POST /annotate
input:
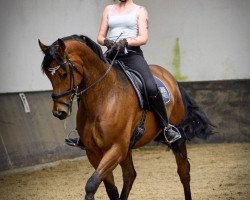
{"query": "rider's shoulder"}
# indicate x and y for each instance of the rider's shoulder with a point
(109, 7)
(142, 10)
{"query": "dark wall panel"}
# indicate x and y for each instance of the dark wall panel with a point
(227, 104)
(32, 138)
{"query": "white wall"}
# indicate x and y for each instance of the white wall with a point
(214, 36)
(22, 22)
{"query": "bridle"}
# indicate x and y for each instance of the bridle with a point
(73, 89)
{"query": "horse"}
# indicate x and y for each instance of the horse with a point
(108, 112)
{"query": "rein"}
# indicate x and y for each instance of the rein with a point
(100, 79)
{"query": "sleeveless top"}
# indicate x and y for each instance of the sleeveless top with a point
(123, 25)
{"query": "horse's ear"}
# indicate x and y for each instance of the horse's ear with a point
(61, 45)
(43, 47)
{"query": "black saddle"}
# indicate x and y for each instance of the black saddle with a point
(138, 83)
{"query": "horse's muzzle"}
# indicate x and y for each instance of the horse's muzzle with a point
(60, 114)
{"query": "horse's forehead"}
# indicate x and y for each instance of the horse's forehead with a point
(50, 56)
(54, 54)
(49, 60)
(53, 49)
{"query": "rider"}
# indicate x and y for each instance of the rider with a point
(124, 27)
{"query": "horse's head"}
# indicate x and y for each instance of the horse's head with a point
(64, 72)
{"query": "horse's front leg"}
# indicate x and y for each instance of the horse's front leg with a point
(108, 162)
(129, 175)
(95, 180)
(92, 186)
(184, 170)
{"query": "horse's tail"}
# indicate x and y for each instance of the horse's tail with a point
(195, 123)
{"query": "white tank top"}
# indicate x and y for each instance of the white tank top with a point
(127, 24)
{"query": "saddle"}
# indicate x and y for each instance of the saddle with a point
(139, 86)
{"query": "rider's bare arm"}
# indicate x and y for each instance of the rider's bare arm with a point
(142, 37)
(103, 30)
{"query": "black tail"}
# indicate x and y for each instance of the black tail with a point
(195, 123)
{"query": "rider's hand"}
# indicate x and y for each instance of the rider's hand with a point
(109, 43)
(121, 44)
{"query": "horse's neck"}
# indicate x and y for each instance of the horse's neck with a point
(106, 94)
(93, 70)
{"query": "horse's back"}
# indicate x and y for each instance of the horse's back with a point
(165, 76)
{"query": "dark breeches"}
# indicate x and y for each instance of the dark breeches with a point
(135, 61)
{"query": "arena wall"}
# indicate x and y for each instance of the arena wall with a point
(213, 37)
(205, 43)
(29, 138)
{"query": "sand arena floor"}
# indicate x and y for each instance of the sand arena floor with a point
(218, 171)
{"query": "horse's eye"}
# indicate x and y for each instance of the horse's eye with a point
(64, 75)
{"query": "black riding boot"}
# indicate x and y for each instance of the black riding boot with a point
(158, 105)
(73, 139)
(74, 142)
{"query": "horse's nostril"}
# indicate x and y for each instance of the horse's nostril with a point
(60, 114)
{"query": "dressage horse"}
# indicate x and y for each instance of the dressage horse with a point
(108, 112)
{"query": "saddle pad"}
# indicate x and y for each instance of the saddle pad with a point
(137, 83)
(163, 89)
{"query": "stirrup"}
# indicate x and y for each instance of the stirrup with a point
(74, 142)
(71, 141)
(165, 130)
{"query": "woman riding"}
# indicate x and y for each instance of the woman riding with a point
(124, 27)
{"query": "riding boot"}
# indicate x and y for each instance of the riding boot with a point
(74, 142)
(158, 106)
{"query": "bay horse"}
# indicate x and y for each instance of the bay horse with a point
(108, 112)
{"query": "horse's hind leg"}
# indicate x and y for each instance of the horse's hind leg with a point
(111, 189)
(129, 175)
(183, 170)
